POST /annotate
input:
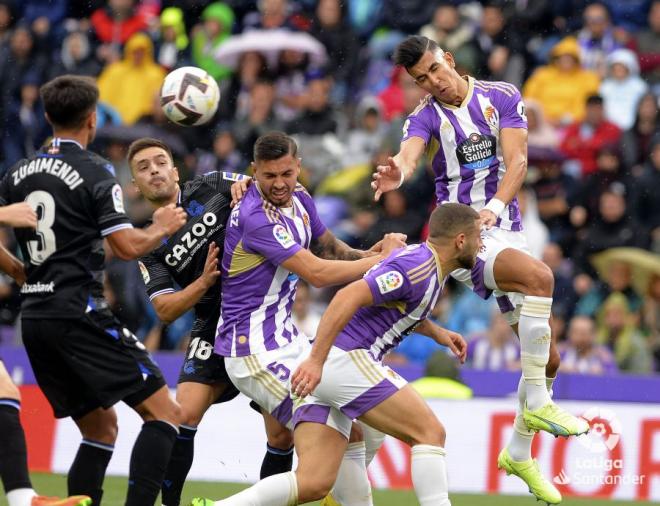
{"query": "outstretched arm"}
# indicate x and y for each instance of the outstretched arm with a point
(453, 340)
(340, 311)
(399, 167)
(329, 247)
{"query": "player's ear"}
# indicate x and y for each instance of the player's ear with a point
(137, 188)
(449, 58)
(176, 173)
(91, 119)
(298, 166)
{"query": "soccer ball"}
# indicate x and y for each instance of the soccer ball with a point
(189, 96)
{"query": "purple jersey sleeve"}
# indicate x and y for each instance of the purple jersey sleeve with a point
(315, 223)
(419, 123)
(511, 108)
(270, 239)
(388, 282)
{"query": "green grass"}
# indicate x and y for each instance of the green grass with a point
(115, 489)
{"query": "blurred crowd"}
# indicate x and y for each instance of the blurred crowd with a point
(321, 70)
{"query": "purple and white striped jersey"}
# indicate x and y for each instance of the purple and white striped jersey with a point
(257, 293)
(405, 288)
(463, 144)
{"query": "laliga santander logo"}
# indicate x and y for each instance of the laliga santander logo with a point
(605, 432)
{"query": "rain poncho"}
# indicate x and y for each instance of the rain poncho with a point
(129, 86)
(204, 48)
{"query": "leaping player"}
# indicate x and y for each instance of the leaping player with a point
(475, 135)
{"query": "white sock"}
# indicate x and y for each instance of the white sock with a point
(352, 487)
(20, 497)
(429, 475)
(277, 490)
(534, 332)
(548, 384)
(520, 444)
(373, 440)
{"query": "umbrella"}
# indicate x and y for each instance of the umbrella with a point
(270, 43)
(644, 265)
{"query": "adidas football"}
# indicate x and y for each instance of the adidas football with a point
(189, 96)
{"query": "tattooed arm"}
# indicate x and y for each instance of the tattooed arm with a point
(327, 246)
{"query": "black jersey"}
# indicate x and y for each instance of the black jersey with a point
(180, 260)
(78, 202)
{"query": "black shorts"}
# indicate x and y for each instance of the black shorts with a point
(91, 362)
(202, 365)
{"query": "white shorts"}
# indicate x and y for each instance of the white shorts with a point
(481, 279)
(352, 384)
(266, 377)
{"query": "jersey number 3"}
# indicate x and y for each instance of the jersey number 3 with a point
(44, 245)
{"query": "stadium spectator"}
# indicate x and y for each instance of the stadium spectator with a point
(216, 27)
(646, 200)
(597, 39)
(173, 45)
(291, 84)
(636, 142)
(251, 68)
(540, 133)
(646, 44)
(25, 126)
(563, 294)
(76, 57)
(407, 16)
(44, 16)
(364, 141)
(501, 48)
(318, 116)
(17, 59)
(622, 88)
(258, 119)
(617, 330)
(583, 139)
(618, 279)
(455, 34)
(6, 21)
(331, 27)
(393, 96)
(651, 317)
(562, 86)
(614, 226)
(275, 14)
(497, 349)
(555, 192)
(113, 25)
(581, 354)
(130, 84)
(224, 157)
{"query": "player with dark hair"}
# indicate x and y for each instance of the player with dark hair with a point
(344, 377)
(13, 451)
(85, 360)
(189, 260)
(475, 134)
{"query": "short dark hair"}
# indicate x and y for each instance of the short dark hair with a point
(450, 219)
(273, 146)
(144, 143)
(594, 100)
(411, 50)
(68, 100)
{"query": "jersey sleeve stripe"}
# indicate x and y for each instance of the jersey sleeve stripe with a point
(110, 230)
(161, 292)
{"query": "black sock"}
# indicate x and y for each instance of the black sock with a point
(88, 470)
(151, 453)
(276, 461)
(13, 450)
(179, 466)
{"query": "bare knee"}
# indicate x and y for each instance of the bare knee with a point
(541, 281)
(315, 487)
(280, 438)
(357, 434)
(167, 410)
(190, 416)
(100, 426)
(430, 432)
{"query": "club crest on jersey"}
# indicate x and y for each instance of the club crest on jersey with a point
(389, 281)
(232, 176)
(491, 116)
(306, 219)
(118, 198)
(195, 208)
(282, 236)
(145, 273)
(477, 151)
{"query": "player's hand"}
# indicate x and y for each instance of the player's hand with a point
(211, 273)
(386, 178)
(455, 342)
(307, 377)
(170, 218)
(19, 275)
(390, 242)
(238, 189)
(487, 219)
(19, 215)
